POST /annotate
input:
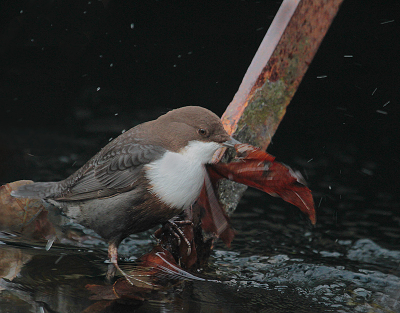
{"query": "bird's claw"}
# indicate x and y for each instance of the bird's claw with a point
(178, 233)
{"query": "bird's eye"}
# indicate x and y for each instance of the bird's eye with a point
(202, 132)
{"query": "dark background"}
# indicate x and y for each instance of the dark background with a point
(74, 74)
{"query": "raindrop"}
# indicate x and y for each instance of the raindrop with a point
(98, 88)
(132, 25)
(367, 171)
(59, 259)
(111, 64)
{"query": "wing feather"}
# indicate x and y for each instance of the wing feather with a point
(113, 170)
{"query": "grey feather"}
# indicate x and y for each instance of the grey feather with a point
(37, 190)
(113, 170)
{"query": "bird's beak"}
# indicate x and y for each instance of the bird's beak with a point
(220, 152)
(231, 143)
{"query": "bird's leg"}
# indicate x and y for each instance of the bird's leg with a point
(113, 257)
(113, 266)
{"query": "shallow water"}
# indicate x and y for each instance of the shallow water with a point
(271, 267)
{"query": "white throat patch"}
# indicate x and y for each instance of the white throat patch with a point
(177, 178)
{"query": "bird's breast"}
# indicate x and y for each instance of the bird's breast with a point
(177, 178)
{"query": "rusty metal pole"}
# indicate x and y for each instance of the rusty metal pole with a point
(274, 76)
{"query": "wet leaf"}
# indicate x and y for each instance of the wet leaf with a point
(215, 220)
(258, 169)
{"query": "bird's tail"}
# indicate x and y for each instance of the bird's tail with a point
(37, 190)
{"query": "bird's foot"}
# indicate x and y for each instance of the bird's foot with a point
(111, 270)
(178, 233)
(113, 267)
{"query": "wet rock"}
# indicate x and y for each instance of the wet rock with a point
(367, 251)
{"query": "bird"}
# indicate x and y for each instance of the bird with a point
(143, 178)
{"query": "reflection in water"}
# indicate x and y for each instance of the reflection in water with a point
(11, 262)
(33, 277)
(55, 281)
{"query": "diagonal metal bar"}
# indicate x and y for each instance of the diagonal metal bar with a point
(273, 77)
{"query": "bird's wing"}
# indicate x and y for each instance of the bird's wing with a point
(113, 170)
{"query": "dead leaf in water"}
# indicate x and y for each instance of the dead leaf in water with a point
(258, 169)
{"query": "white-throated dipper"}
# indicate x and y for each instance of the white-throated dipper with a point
(143, 178)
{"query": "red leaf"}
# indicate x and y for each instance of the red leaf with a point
(215, 219)
(160, 264)
(258, 169)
